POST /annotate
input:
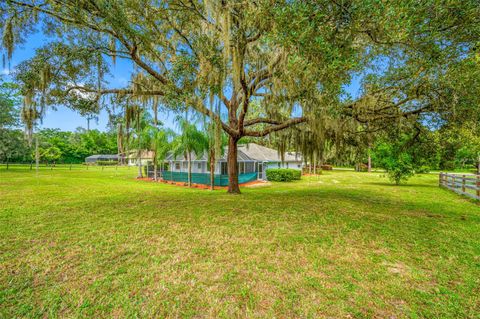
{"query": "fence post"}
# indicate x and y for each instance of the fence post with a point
(478, 186)
(440, 179)
(463, 183)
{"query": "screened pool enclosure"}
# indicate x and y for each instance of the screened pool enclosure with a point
(202, 178)
(102, 158)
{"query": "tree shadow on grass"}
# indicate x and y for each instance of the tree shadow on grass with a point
(403, 185)
(370, 198)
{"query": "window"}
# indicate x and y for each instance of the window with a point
(224, 168)
(199, 166)
(249, 167)
(177, 166)
(185, 164)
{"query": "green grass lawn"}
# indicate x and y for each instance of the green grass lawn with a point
(99, 244)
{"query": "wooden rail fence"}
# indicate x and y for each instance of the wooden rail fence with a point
(465, 184)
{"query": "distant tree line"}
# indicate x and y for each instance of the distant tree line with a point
(56, 146)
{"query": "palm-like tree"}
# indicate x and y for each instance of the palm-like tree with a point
(191, 140)
(160, 146)
(141, 139)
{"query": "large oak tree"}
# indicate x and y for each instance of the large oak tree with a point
(191, 54)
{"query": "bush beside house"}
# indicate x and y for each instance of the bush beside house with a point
(283, 174)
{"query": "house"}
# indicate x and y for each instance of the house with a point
(253, 161)
(146, 157)
(91, 160)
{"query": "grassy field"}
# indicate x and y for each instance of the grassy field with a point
(99, 244)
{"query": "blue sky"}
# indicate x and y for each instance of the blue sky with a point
(67, 120)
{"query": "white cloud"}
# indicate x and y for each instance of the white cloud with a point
(5, 72)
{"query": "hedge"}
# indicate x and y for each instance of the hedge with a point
(283, 174)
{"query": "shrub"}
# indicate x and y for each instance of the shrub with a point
(422, 169)
(297, 174)
(362, 167)
(106, 163)
(448, 165)
(283, 174)
(400, 168)
(397, 161)
(327, 167)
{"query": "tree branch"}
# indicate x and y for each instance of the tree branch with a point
(261, 120)
(113, 91)
(274, 128)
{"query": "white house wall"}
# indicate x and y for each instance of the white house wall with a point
(134, 162)
(197, 167)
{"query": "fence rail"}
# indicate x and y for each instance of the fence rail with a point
(465, 184)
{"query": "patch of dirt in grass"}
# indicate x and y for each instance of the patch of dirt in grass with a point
(257, 184)
(397, 268)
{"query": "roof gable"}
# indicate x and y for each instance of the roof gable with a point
(266, 154)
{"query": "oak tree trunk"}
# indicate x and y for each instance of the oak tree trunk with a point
(369, 163)
(233, 187)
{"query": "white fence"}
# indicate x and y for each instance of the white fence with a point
(465, 184)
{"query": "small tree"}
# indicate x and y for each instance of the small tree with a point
(189, 141)
(51, 155)
(160, 146)
(396, 161)
(399, 168)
